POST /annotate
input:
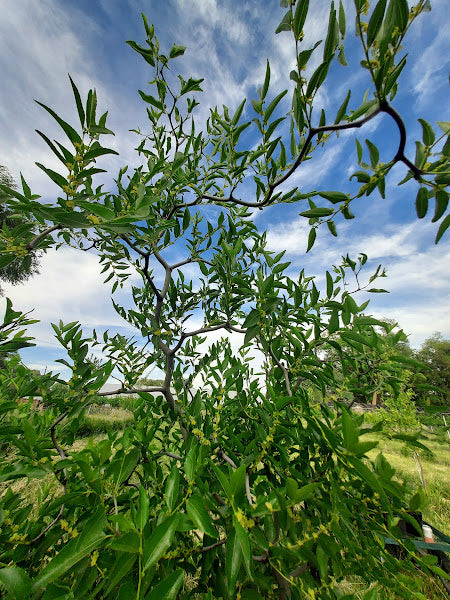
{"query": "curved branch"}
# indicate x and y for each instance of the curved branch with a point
(400, 156)
(35, 241)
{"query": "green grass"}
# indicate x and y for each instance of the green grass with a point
(436, 468)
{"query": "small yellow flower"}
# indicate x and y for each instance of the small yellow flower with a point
(94, 558)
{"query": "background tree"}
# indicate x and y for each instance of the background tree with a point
(435, 353)
(12, 223)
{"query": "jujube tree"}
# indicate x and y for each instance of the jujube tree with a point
(238, 487)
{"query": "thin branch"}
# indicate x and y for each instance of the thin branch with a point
(35, 241)
(247, 490)
(216, 545)
(227, 459)
(171, 454)
(283, 369)
(132, 391)
(197, 332)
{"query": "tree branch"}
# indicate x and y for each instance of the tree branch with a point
(35, 241)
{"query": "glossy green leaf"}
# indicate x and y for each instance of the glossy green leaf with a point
(143, 510)
(375, 21)
(124, 466)
(301, 11)
(269, 110)
(265, 87)
(201, 518)
(317, 212)
(334, 197)
(443, 228)
(342, 24)
(422, 202)
(441, 205)
(17, 582)
(307, 491)
(428, 136)
(168, 588)
(68, 129)
(172, 487)
(285, 24)
(233, 558)
(151, 100)
(121, 567)
(244, 543)
(79, 104)
(159, 541)
(343, 108)
(89, 539)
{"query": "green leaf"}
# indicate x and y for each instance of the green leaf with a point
(54, 176)
(443, 228)
(307, 491)
(121, 567)
(422, 202)
(367, 475)
(332, 228)
(301, 11)
(317, 212)
(191, 85)
(257, 105)
(125, 465)
(334, 197)
(223, 481)
(176, 51)
(265, 87)
(143, 510)
(233, 558)
(200, 516)
(341, 18)
(322, 560)
(79, 547)
(349, 431)
(17, 582)
(172, 487)
(168, 588)
(269, 110)
(333, 324)
(441, 205)
(146, 53)
(317, 78)
(332, 38)
(374, 154)
(160, 541)
(244, 543)
(427, 132)
(68, 129)
(343, 108)
(375, 21)
(151, 100)
(128, 542)
(79, 104)
(330, 284)
(311, 239)
(285, 24)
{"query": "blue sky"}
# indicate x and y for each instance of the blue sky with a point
(228, 43)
